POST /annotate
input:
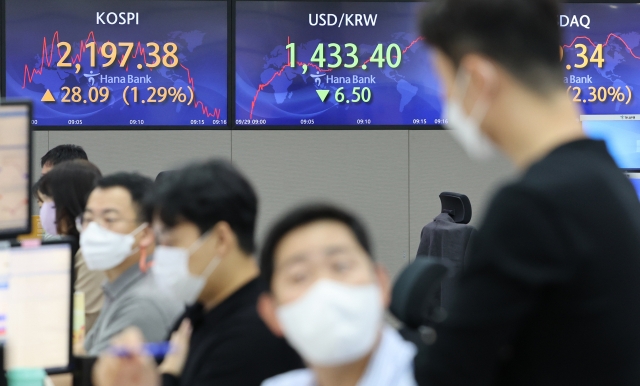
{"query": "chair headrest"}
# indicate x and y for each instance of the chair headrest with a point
(457, 205)
(162, 175)
(414, 299)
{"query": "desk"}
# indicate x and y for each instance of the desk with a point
(62, 379)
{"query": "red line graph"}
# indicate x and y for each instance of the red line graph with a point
(612, 35)
(281, 71)
(48, 54)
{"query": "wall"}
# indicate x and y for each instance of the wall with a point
(390, 178)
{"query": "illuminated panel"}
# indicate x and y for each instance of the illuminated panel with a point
(601, 56)
(37, 296)
(108, 63)
(14, 169)
(333, 63)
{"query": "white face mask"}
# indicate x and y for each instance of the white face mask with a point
(171, 271)
(333, 323)
(103, 249)
(466, 128)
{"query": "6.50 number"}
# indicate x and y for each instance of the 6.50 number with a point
(361, 95)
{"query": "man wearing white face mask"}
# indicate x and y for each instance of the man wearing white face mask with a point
(327, 298)
(204, 220)
(116, 238)
(550, 294)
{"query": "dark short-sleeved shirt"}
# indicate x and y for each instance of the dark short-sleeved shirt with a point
(551, 294)
(231, 346)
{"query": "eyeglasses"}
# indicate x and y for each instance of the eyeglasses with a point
(339, 260)
(107, 222)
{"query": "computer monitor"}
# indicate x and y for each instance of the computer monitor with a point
(36, 305)
(634, 177)
(331, 64)
(15, 168)
(164, 66)
(604, 85)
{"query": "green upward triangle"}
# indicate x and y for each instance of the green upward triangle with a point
(323, 94)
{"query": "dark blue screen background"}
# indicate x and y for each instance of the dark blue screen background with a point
(617, 27)
(406, 95)
(198, 28)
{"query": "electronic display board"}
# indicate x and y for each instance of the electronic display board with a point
(118, 64)
(333, 64)
(634, 177)
(601, 55)
(15, 166)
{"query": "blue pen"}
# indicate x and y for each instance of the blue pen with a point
(156, 350)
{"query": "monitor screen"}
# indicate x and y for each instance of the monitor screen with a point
(15, 135)
(634, 177)
(333, 64)
(601, 56)
(35, 306)
(118, 64)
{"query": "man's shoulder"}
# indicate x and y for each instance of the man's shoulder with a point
(247, 326)
(145, 296)
(300, 377)
(572, 167)
(551, 183)
(245, 338)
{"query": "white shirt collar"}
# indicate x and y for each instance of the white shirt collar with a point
(390, 365)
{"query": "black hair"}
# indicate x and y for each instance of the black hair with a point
(138, 187)
(63, 153)
(302, 216)
(523, 36)
(35, 191)
(162, 175)
(206, 193)
(69, 185)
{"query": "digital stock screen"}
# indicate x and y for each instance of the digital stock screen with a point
(634, 177)
(15, 146)
(601, 55)
(106, 63)
(333, 63)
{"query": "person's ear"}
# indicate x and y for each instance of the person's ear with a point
(147, 237)
(146, 242)
(385, 284)
(63, 227)
(267, 311)
(225, 239)
(483, 78)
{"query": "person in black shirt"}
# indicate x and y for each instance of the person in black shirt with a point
(204, 220)
(551, 294)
